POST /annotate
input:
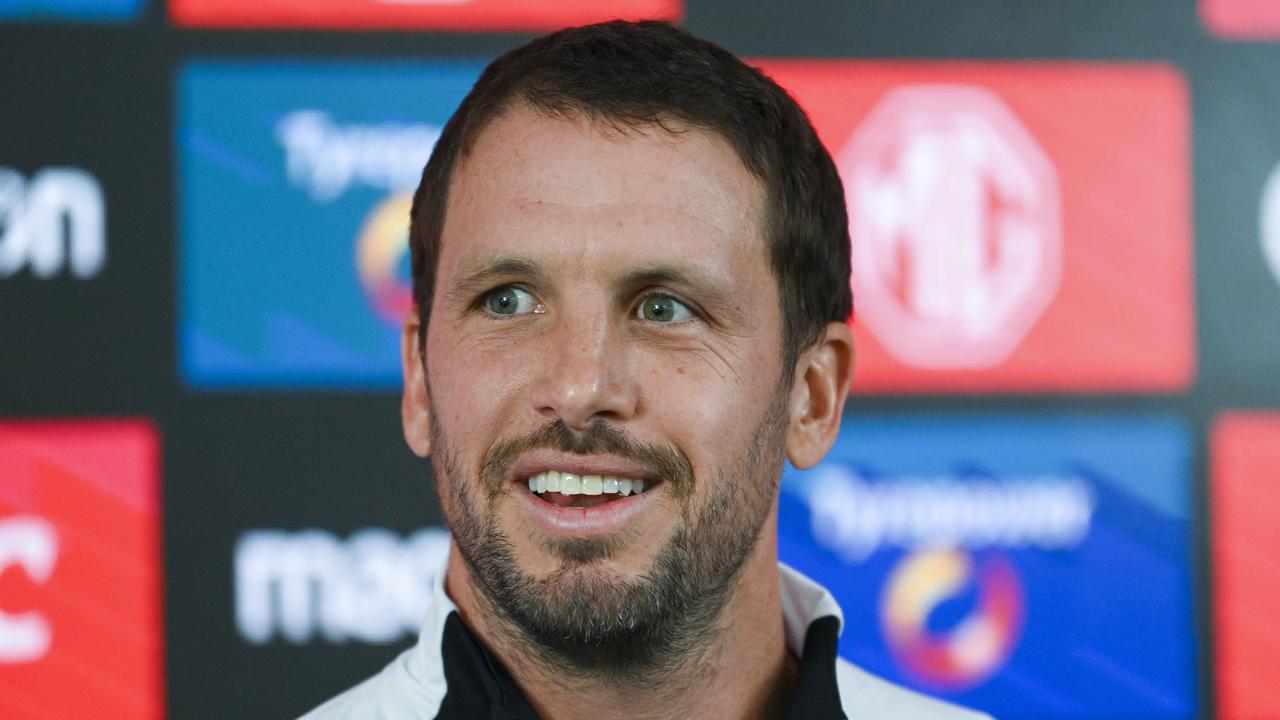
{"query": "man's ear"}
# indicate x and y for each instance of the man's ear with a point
(415, 409)
(820, 386)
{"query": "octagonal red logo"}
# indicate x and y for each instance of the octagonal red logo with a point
(955, 221)
(1015, 226)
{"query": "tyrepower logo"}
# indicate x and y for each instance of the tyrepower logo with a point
(319, 161)
(958, 547)
(416, 14)
(1241, 19)
(325, 158)
(998, 248)
(55, 222)
(80, 617)
(1244, 487)
(954, 531)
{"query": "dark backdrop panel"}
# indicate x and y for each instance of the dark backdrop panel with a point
(1237, 149)
(101, 98)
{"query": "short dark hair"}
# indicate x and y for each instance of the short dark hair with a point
(643, 74)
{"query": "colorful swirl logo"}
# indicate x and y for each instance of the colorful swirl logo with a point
(968, 651)
(382, 252)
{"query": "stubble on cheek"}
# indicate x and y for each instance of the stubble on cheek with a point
(583, 615)
(474, 517)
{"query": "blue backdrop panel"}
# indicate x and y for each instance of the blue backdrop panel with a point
(70, 9)
(294, 187)
(1036, 568)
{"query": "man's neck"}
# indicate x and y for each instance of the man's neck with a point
(742, 671)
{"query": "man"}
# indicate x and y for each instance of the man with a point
(631, 262)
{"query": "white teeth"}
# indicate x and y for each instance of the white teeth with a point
(570, 484)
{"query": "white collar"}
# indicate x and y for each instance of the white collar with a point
(803, 601)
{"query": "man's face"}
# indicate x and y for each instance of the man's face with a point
(604, 310)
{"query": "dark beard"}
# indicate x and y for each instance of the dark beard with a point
(581, 618)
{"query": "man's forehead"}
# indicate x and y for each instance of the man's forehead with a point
(535, 182)
(526, 155)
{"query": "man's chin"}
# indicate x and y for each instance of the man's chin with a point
(590, 616)
(585, 573)
(568, 553)
(606, 608)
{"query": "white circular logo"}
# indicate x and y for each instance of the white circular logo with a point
(955, 223)
(1270, 222)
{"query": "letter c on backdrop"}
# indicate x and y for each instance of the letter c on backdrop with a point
(30, 543)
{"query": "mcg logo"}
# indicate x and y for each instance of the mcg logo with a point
(955, 223)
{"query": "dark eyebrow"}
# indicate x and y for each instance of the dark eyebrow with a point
(481, 273)
(669, 275)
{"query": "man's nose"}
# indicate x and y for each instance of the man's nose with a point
(585, 374)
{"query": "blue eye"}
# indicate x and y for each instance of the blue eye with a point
(663, 309)
(509, 300)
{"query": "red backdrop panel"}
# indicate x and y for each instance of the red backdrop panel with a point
(1245, 527)
(416, 14)
(81, 632)
(1242, 19)
(1016, 227)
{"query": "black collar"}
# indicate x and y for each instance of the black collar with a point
(479, 687)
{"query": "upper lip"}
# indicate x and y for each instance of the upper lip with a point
(538, 461)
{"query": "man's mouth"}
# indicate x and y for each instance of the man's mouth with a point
(583, 491)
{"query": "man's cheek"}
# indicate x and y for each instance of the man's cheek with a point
(698, 418)
(496, 369)
(715, 359)
(472, 389)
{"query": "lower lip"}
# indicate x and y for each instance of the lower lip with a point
(603, 519)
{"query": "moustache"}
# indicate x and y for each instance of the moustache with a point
(664, 461)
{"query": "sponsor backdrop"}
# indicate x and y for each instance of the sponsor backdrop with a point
(70, 9)
(1245, 489)
(1055, 492)
(80, 547)
(413, 14)
(302, 172)
(1036, 564)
